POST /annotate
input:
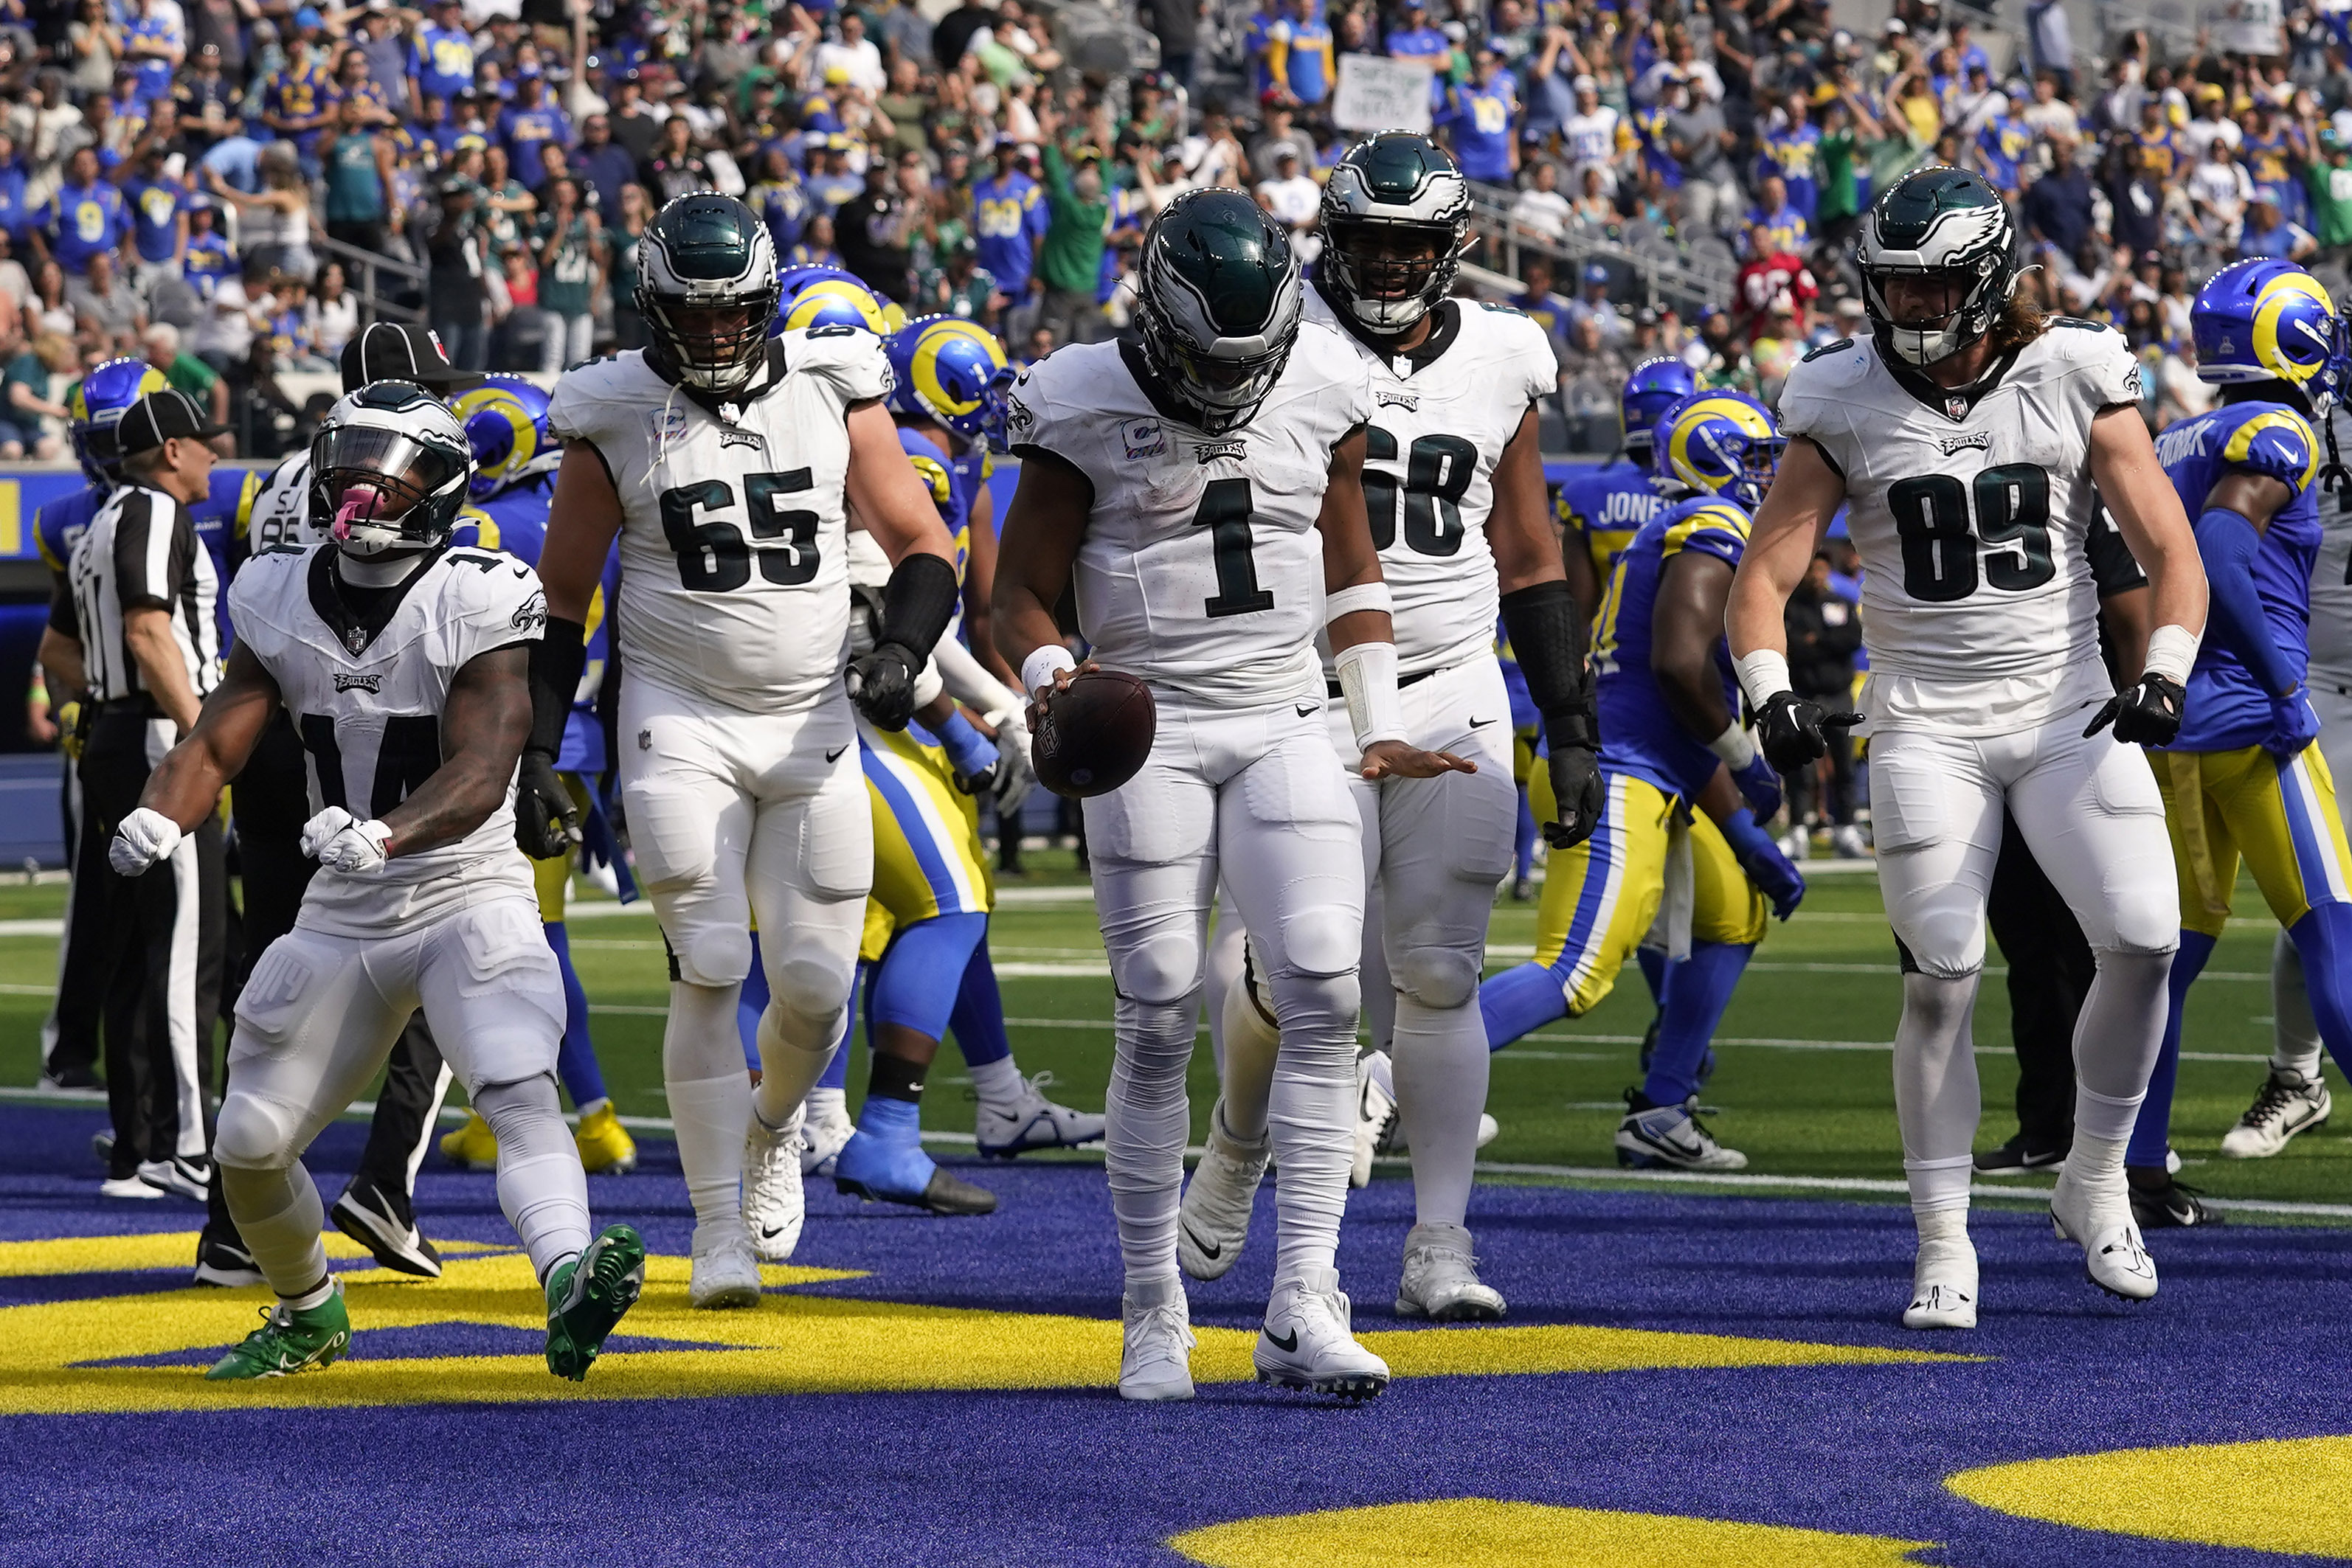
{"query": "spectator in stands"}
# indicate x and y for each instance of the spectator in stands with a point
(605, 164)
(1483, 122)
(84, 218)
(276, 223)
(1542, 210)
(1299, 60)
(2057, 209)
(161, 343)
(1537, 300)
(1592, 356)
(2269, 232)
(958, 285)
(359, 164)
(1700, 143)
(1294, 199)
(1782, 223)
(1789, 152)
(1595, 305)
(1412, 38)
(109, 314)
(1069, 262)
(875, 233)
(569, 246)
(330, 316)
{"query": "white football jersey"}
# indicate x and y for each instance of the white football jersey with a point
(281, 514)
(367, 700)
(1442, 416)
(1979, 606)
(1202, 568)
(2331, 583)
(733, 536)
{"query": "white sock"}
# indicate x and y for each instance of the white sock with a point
(794, 1050)
(1438, 1067)
(2295, 1034)
(278, 1214)
(2096, 1161)
(828, 1105)
(997, 1082)
(1939, 1186)
(314, 1298)
(1942, 1227)
(541, 1186)
(711, 1117)
(2105, 1118)
(1147, 1119)
(1246, 1075)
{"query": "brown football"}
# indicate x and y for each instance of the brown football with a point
(1091, 739)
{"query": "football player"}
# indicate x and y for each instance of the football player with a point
(1599, 508)
(1452, 485)
(405, 664)
(725, 460)
(515, 460)
(1973, 440)
(1199, 491)
(1684, 789)
(2245, 776)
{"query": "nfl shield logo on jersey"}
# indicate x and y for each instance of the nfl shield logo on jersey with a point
(1955, 408)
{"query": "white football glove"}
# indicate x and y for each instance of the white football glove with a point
(1015, 774)
(146, 837)
(340, 841)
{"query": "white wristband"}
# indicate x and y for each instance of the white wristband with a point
(2172, 654)
(1735, 746)
(1361, 596)
(1038, 670)
(1367, 679)
(1762, 676)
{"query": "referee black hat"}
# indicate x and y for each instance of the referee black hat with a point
(162, 416)
(390, 351)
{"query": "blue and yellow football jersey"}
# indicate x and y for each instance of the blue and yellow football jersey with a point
(950, 491)
(1638, 733)
(1606, 506)
(516, 522)
(2227, 707)
(57, 527)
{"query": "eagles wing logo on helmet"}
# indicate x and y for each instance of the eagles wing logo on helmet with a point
(1944, 230)
(1396, 214)
(707, 288)
(389, 470)
(1218, 304)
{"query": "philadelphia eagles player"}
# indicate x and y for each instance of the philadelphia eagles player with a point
(1967, 434)
(1453, 488)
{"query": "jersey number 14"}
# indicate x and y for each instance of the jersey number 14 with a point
(1939, 546)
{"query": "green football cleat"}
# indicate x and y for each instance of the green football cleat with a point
(587, 1295)
(288, 1342)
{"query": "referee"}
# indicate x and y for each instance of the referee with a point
(143, 596)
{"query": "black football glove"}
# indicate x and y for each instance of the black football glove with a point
(882, 684)
(2145, 714)
(547, 824)
(1791, 730)
(1576, 788)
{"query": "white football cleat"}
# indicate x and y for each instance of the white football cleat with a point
(1030, 1121)
(1943, 1287)
(1306, 1341)
(1376, 1113)
(773, 1204)
(726, 1270)
(1155, 1358)
(1671, 1136)
(1441, 1278)
(2289, 1104)
(2101, 1222)
(825, 1126)
(1213, 1219)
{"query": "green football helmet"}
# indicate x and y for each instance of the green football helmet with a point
(1218, 303)
(707, 287)
(1396, 215)
(1948, 229)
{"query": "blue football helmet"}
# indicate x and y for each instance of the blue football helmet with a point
(2265, 319)
(97, 403)
(1655, 386)
(505, 425)
(828, 297)
(949, 370)
(1724, 443)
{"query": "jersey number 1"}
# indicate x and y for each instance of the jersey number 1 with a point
(1225, 513)
(1939, 548)
(713, 557)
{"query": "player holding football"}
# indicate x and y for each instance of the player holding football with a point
(727, 462)
(1452, 485)
(2245, 775)
(1968, 434)
(404, 665)
(1200, 494)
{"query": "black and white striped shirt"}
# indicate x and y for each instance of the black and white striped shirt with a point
(141, 550)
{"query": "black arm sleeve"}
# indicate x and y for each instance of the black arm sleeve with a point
(557, 661)
(63, 620)
(919, 602)
(1547, 634)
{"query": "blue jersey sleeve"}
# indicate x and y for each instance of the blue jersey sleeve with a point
(2276, 444)
(1714, 528)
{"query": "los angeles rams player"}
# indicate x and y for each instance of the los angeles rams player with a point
(1599, 509)
(1200, 492)
(725, 462)
(1453, 488)
(515, 461)
(1968, 435)
(404, 663)
(1684, 787)
(2245, 775)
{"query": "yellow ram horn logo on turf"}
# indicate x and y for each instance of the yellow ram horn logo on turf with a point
(2288, 340)
(499, 400)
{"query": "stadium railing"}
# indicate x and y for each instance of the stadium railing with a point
(388, 288)
(1642, 273)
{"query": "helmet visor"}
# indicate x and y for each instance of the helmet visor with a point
(1224, 382)
(367, 474)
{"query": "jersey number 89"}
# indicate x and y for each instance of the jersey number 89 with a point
(713, 557)
(1939, 548)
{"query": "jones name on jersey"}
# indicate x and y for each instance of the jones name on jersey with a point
(1971, 514)
(1202, 568)
(1442, 416)
(366, 694)
(733, 581)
